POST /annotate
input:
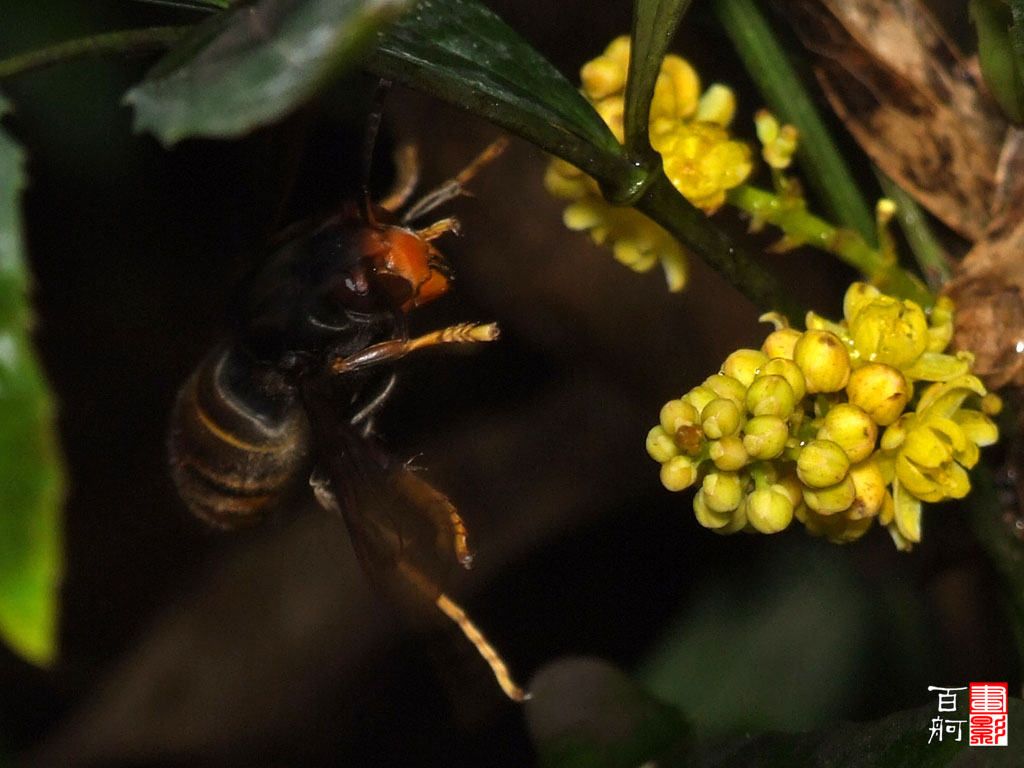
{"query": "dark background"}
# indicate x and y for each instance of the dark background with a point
(185, 646)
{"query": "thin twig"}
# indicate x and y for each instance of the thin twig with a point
(124, 41)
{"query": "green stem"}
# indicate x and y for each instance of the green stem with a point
(773, 74)
(123, 41)
(930, 255)
(803, 227)
(662, 203)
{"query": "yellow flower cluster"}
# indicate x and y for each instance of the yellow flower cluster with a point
(688, 130)
(824, 425)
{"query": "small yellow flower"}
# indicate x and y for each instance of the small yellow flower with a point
(793, 428)
(698, 155)
(823, 358)
(769, 509)
(932, 448)
(778, 142)
(890, 331)
(700, 160)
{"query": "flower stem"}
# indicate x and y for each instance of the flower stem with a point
(930, 255)
(765, 58)
(122, 41)
(802, 227)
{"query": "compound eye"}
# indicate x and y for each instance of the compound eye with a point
(397, 287)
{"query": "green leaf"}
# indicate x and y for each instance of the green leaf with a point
(254, 64)
(765, 59)
(1017, 30)
(585, 713)
(799, 622)
(654, 24)
(460, 52)
(1001, 65)
(31, 474)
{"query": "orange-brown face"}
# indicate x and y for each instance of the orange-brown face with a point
(408, 267)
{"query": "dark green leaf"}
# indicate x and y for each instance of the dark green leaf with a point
(254, 64)
(31, 474)
(1001, 64)
(458, 51)
(1017, 30)
(691, 226)
(654, 24)
(585, 713)
(765, 59)
(800, 622)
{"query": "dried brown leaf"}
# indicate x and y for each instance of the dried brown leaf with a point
(910, 100)
(989, 285)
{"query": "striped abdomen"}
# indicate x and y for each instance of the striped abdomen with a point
(234, 450)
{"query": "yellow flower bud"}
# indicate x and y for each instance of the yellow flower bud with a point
(879, 390)
(781, 343)
(793, 488)
(720, 417)
(678, 473)
(870, 489)
(677, 413)
(991, 405)
(769, 510)
(676, 91)
(791, 372)
(564, 180)
(708, 517)
(778, 142)
(660, 446)
(764, 437)
(728, 453)
(839, 529)
(584, 214)
(603, 77)
(852, 429)
(699, 397)
(824, 361)
(722, 491)
(821, 464)
(743, 365)
(726, 386)
(717, 105)
(831, 499)
(770, 396)
(766, 125)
